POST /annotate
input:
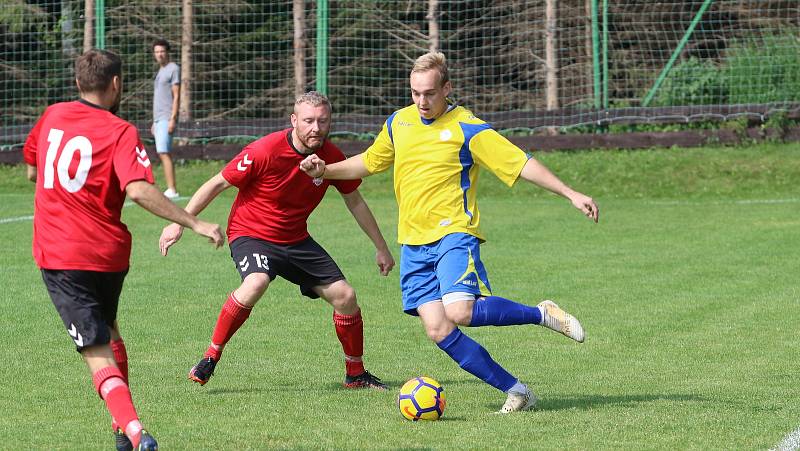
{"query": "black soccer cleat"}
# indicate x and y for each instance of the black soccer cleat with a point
(147, 443)
(121, 441)
(202, 372)
(364, 380)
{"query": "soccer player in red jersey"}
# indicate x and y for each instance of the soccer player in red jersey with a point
(84, 161)
(268, 234)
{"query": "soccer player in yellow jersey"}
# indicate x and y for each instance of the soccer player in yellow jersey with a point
(437, 148)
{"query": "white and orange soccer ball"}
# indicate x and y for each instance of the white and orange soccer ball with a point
(421, 398)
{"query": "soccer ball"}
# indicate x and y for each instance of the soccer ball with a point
(421, 398)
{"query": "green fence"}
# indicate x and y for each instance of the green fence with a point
(519, 64)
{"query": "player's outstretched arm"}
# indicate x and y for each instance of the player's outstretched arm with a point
(366, 220)
(199, 201)
(149, 198)
(538, 174)
(349, 169)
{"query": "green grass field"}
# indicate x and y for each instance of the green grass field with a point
(688, 291)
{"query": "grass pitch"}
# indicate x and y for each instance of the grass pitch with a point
(687, 290)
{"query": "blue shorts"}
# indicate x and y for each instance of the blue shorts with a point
(451, 265)
(162, 135)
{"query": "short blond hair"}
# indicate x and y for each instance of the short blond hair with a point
(313, 98)
(432, 61)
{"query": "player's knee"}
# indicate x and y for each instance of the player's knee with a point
(458, 307)
(113, 330)
(459, 313)
(460, 317)
(345, 299)
(253, 287)
(258, 282)
(439, 332)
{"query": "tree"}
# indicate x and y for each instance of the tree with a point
(299, 16)
(88, 25)
(551, 23)
(433, 25)
(185, 107)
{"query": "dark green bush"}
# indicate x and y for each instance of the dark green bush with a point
(693, 82)
(763, 70)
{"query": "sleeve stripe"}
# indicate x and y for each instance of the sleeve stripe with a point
(389, 125)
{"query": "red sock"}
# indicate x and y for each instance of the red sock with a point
(121, 357)
(111, 387)
(350, 330)
(231, 318)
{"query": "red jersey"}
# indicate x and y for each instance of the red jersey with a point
(85, 157)
(275, 197)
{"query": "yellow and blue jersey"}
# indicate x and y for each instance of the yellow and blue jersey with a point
(436, 166)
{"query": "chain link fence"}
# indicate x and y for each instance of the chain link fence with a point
(522, 65)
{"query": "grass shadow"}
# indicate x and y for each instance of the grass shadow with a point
(593, 401)
(239, 390)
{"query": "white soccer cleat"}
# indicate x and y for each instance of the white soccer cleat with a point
(517, 403)
(171, 194)
(560, 321)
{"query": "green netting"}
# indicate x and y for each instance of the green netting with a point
(632, 61)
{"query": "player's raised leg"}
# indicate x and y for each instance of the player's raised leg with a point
(235, 311)
(498, 311)
(349, 327)
(462, 276)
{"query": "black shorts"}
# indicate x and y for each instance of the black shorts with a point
(86, 301)
(305, 264)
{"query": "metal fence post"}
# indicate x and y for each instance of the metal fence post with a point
(676, 53)
(100, 24)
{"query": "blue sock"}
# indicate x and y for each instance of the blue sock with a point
(475, 360)
(497, 311)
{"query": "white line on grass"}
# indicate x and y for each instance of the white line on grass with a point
(724, 202)
(790, 443)
(28, 218)
(16, 219)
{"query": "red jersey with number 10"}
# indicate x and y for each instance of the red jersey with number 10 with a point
(275, 197)
(85, 157)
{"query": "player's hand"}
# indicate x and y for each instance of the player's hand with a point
(153, 129)
(169, 236)
(587, 205)
(313, 165)
(385, 261)
(171, 126)
(210, 231)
